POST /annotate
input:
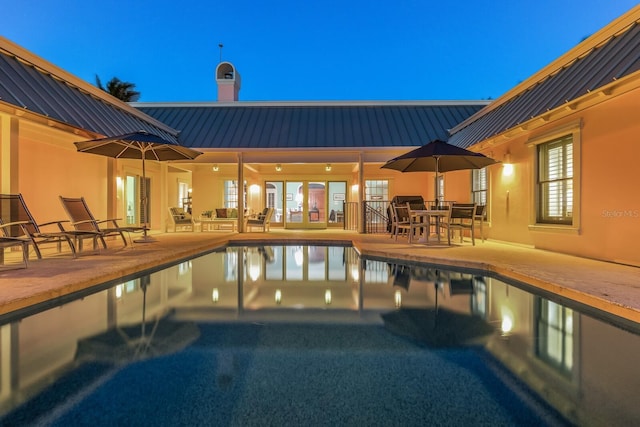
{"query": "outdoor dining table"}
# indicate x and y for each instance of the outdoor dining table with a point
(424, 216)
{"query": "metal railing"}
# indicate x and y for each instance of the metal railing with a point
(351, 216)
(375, 216)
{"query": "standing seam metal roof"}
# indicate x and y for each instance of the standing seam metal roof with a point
(31, 88)
(318, 125)
(616, 58)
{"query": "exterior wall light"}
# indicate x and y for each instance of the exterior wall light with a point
(278, 167)
(215, 168)
(507, 166)
(328, 167)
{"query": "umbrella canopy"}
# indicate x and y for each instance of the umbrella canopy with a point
(138, 145)
(438, 156)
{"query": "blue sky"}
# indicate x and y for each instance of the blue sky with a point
(305, 49)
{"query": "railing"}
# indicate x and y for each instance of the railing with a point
(376, 219)
(351, 216)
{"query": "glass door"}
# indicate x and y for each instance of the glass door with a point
(131, 200)
(274, 197)
(305, 204)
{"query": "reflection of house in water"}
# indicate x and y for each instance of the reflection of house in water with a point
(582, 366)
(586, 368)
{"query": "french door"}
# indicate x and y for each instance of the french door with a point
(305, 204)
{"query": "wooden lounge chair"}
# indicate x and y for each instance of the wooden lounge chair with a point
(19, 223)
(83, 220)
(261, 220)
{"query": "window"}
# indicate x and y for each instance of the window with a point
(376, 189)
(554, 333)
(183, 192)
(555, 181)
(479, 187)
(231, 194)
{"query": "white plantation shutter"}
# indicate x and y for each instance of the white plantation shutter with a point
(555, 181)
(479, 186)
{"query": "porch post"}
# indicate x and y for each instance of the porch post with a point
(9, 154)
(240, 193)
(361, 219)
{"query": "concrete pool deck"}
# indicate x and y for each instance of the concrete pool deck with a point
(610, 287)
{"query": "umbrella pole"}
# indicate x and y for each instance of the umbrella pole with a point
(145, 205)
(437, 196)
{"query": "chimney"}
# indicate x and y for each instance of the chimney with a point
(228, 81)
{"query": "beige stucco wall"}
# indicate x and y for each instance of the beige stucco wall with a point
(49, 167)
(607, 208)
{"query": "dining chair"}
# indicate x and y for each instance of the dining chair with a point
(461, 217)
(402, 224)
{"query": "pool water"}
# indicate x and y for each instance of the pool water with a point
(316, 335)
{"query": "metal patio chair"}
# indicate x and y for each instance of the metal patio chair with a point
(18, 223)
(83, 220)
(7, 241)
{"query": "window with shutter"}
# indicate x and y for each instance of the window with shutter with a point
(479, 187)
(555, 181)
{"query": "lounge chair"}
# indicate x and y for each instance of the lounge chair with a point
(19, 223)
(83, 220)
(8, 242)
(263, 220)
(181, 220)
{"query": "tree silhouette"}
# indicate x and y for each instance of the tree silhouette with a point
(124, 91)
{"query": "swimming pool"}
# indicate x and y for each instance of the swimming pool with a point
(316, 335)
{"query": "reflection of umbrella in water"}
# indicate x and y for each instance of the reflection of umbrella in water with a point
(139, 145)
(437, 326)
(438, 156)
(122, 344)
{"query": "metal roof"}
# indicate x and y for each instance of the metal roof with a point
(614, 59)
(33, 88)
(246, 125)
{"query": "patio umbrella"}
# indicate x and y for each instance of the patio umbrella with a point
(138, 145)
(438, 156)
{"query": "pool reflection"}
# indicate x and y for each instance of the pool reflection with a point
(583, 366)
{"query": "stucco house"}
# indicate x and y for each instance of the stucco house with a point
(565, 138)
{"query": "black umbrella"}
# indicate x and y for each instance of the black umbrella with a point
(438, 156)
(139, 145)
